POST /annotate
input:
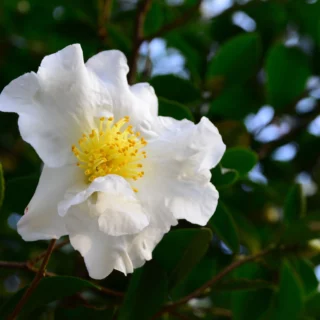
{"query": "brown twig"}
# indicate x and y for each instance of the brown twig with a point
(40, 274)
(30, 267)
(185, 17)
(105, 9)
(138, 37)
(213, 281)
(56, 247)
(13, 265)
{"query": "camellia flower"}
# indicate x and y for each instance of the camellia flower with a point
(116, 176)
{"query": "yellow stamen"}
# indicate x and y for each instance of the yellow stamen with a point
(109, 149)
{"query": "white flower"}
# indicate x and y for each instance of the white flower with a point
(116, 176)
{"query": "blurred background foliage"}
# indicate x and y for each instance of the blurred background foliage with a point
(253, 68)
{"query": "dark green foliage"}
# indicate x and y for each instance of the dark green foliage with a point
(174, 109)
(138, 304)
(2, 186)
(189, 245)
(224, 225)
(239, 159)
(287, 72)
(48, 290)
(225, 67)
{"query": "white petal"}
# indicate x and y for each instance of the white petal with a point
(147, 95)
(41, 220)
(111, 66)
(139, 101)
(103, 253)
(56, 105)
(112, 201)
(177, 170)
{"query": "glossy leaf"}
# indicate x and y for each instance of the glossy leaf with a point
(306, 271)
(174, 109)
(240, 159)
(287, 73)
(290, 296)
(223, 224)
(256, 301)
(146, 294)
(175, 88)
(312, 305)
(236, 61)
(180, 251)
(234, 103)
(222, 178)
(294, 207)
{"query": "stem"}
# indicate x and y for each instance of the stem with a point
(138, 38)
(30, 267)
(213, 281)
(56, 247)
(105, 8)
(13, 265)
(40, 274)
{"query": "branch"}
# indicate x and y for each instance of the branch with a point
(105, 9)
(56, 247)
(30, 267)
(138, 38)
(213, 281)
(40, 274)
(188, 14)
(13, 265)
(139, 34)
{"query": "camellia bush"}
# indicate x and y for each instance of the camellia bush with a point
(160, 159)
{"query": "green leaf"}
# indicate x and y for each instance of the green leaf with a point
(48, 290)
(248, 304)
(2, 186)
(290, 296)
(234, 103)
(287, 73)
(240, 159)
(306, 16)
(243, 284)
(306, 272)
(312, 305)
(154, 18)
(180, 251)
(248, 233)
(295, 206)
(146, 294)
(174, 88)
(84, 313)
(223, 224)
(302, 230)
(236, 61)
(19, 192)
(225, 179)
(174, 109)
(270, 18)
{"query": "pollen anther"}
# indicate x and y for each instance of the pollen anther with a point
(111, 149)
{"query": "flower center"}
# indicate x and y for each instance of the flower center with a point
(111, 150)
